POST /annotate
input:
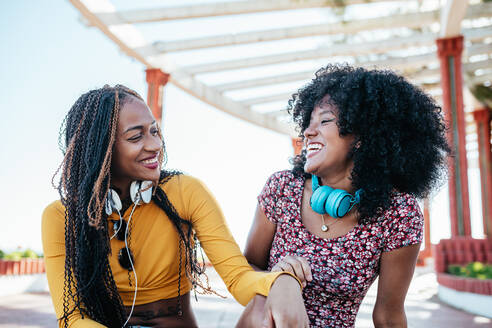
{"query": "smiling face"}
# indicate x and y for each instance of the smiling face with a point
(327, 152)
(137, 146)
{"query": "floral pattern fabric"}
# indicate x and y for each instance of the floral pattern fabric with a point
(343, 267)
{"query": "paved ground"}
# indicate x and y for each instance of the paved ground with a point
(423, 308)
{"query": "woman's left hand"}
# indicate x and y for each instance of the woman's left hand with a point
(284, 305)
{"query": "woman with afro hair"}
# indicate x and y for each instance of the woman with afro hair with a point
(121, 243)
(347, 212)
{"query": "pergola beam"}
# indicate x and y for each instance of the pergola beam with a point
(452, 14)
(126, 46)
(478, 79)
(269, 80)
(408, 20)
(305, 75)
(354, 49)
(266, 99)
(215, 9)
(431, 87)
(216, 99)
(412, 20)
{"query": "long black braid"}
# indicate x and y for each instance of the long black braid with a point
(86, 138)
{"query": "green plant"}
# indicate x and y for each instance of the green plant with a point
(472, 270)
(14, 256)
(30, 254)
(2, 254)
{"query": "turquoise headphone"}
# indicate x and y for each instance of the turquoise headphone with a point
(334, 202)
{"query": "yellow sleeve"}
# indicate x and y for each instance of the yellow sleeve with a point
(222, 250)
(53, 236)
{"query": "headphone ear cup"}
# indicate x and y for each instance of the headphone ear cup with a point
(319, 198)
(146, 194)
(141, 191)
(107, 207)
(338, 203)
(113, 202)
(134, 192)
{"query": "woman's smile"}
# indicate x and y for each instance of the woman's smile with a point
(151, 162)
(313, 148)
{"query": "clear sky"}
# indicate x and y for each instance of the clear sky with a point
(49, 58)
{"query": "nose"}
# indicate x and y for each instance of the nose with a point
(310, 131)
(153, 143)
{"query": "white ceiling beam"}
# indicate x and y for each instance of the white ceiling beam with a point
(479, 79)
(353, 49)
(435, 72)
(478, 49)
(452, 14)
(432, 87)
(336, 50)
(114, 34)
(348, 27)
(269, 80)
(470, 34)
(401, 63)
(412, 20)
(213, 97)
(266, 99)
(215, 9)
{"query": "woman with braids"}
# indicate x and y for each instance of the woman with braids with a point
(347, 212)
(121, 243)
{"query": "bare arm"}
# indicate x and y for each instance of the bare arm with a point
(273, 311)
(396, 272)
(259, 240)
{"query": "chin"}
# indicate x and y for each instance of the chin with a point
(148, 177)
(309, 168)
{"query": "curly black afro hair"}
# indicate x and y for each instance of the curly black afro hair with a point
(400, 141)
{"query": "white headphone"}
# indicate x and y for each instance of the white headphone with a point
(140, 192)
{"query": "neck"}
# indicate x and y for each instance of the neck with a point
(122, 187)
(337, 181)
(337, 178)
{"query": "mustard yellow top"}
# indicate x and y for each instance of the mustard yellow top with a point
(154, 244)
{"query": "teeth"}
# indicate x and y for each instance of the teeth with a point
(150, 161)
(314, 147)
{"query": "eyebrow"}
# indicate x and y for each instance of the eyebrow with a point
(327, 111)
(136, 127)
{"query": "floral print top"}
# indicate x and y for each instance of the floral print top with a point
(343, 267)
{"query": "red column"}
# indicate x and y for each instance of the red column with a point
(297, 145)
(482, 118)
(449, 51)
(156, 79)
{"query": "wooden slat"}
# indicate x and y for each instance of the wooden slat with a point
(452, 14)
(215, 9)
(412, 20)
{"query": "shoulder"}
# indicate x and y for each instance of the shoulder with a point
(180, 181)
(404, 209)
(54, 211)
(286, 175)
(53, 218)
(280, 180)
(186, 193)
(403, 222)
(404, 204)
